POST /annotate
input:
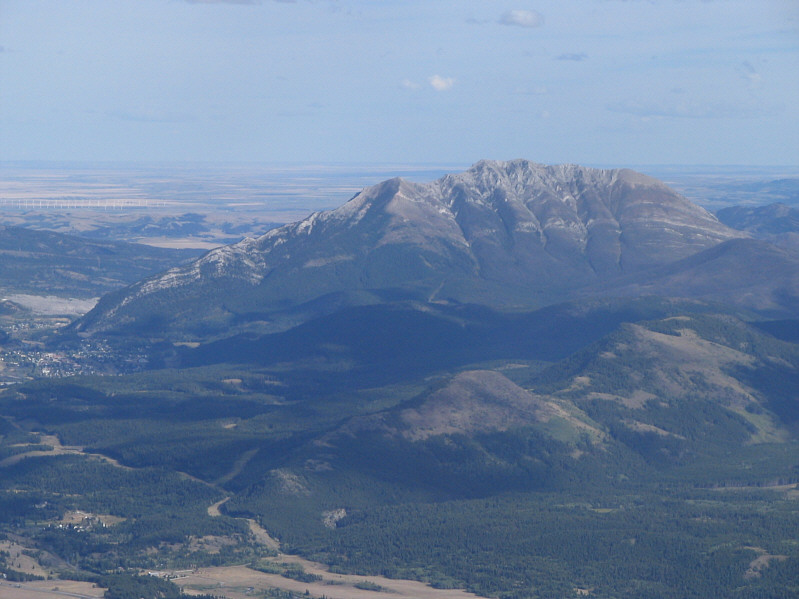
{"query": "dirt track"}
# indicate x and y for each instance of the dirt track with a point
(58, 449)
(213, 509)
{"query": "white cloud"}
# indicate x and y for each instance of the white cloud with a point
(522, 18)
(408, 84)
(441, 84)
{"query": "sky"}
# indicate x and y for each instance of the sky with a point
(594, 82)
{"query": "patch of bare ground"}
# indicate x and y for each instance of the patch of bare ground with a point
(22, 562)
(761, 562)
(642, 427)
(475, 401)
(58, 449)
(181, 243)
(213, 509)
(238, 582)
(54, 305)
(694, 355)
(331, 517)
(238, 465)
(50, 589)
(579, 382)
(290, 483)
(472, 401)
(211, 544)
(791, 490)
(79, 517)
(36, 563)
(262, 536)
(636, 399)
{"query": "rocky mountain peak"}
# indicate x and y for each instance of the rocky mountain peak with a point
(513, 233)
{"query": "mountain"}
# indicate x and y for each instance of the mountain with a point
(747, 273)
(45, 263)
(401, 340)
(660, 394)
(761, 221)
(475, 401)
(503, 234)
(776, 223)
(666, 369)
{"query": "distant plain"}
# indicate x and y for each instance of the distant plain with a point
(202, 207)
(227, 202)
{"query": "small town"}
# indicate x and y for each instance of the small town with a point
(21, 362)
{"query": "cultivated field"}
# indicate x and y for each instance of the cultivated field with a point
(239, 582)
(49, 589)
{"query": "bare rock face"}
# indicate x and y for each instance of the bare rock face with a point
(593, 223)
(504, 234)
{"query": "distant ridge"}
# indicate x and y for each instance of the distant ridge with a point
(47, 263)
(746, 272)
